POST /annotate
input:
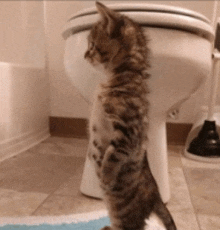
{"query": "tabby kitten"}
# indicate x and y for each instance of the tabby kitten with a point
(119, 121)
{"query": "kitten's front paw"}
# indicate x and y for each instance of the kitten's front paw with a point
(106, 228)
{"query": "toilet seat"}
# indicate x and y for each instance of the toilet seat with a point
(149, 15)
(144, 7)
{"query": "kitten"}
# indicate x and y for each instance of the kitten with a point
(119, 121)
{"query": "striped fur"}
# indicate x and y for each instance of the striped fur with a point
(119, 122)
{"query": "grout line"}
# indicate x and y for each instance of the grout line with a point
(46, 199)
(183, 167)
(51, 194)
(32, 214)
(190, 195)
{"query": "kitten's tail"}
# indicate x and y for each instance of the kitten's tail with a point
(163, 213)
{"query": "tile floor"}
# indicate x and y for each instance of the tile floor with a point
(45, 180)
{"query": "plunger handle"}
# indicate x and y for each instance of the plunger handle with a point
(214, 86)
(215, 64)
(214, 15)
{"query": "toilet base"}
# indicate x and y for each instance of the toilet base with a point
(90, 183)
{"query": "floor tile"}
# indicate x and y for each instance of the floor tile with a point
(180, 203)
(13, 203)
(180, 197)
(209, 222)
(45, 180)
(70, 188)
(186, 220)
(174, 162)
(174, 156)
(63, 146)
(174, 150)
(34, 172)
(204, 186)
(66, 205)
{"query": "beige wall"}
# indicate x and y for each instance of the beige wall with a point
(24, 98)
(65, 101)
(22, 34)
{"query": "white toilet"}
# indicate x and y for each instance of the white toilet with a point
(180, 42)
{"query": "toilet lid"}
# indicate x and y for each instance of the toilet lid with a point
(150, 15)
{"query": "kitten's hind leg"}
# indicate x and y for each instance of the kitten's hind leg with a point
(161, 210)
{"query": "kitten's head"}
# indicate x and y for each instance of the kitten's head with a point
(113, 39)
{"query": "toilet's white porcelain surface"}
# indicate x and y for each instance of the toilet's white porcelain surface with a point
(138, 7)
(180, 62)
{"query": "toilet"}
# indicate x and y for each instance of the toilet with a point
(181, 48)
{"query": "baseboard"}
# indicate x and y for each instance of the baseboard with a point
(68, 127)
(77, 128)
(16, 145)
(177, 133)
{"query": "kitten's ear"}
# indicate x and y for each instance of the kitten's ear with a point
(107, 15)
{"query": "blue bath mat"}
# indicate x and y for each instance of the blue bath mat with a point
(84, 221)
(91, 225)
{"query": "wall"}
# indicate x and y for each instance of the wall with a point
(65, 101)
(24, 97)
(22, 33)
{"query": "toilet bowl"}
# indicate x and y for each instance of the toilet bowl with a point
(180, 43)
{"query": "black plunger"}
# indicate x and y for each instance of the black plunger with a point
(207, 143)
